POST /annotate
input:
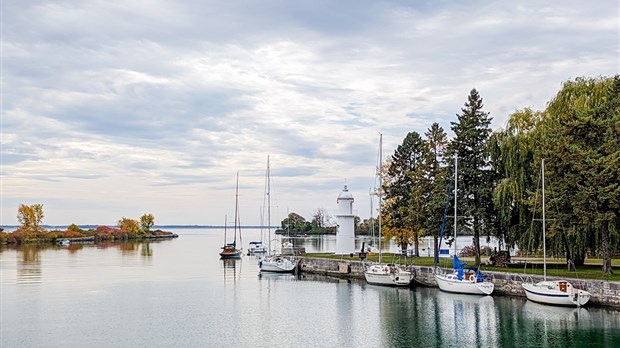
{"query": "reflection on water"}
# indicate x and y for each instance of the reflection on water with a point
(29, 265)
(231, 268)
(127, 288)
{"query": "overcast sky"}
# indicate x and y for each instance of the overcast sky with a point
(114, 109)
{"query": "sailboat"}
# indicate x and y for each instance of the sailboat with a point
(554, 292)
(272, 262)
(463, 279)
(229, 250)
(257, 247)
(380, 273)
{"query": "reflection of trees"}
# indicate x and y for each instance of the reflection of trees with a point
(29, 266)
(145, 250)
(128, 247)
(74, 248)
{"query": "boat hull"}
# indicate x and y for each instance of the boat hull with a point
(231, 255)
(559, 293)
(387, 275)
(450, 283)
(278, 264)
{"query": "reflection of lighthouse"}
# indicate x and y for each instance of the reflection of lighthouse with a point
(345, 236)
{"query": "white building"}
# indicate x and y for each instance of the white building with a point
(345, 235)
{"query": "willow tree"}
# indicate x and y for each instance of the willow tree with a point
(511, 153)
(580, 138)
(472, 131)
(401, 208)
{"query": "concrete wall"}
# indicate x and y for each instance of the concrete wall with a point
(603, 293)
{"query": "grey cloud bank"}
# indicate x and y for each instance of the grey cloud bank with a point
(114, 108)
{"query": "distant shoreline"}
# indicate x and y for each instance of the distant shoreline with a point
(156, 226)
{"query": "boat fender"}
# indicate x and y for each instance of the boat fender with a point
(472, 278)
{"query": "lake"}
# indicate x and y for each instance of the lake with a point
(178, 293)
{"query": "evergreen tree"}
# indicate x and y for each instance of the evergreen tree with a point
(400, 208)
(436, 174)
(472, 130)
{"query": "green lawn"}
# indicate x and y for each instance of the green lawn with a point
(555, 267)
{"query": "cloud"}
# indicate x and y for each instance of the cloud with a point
(154, 106)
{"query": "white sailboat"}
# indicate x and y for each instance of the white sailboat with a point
(554, 292)
(380, 273)
(257, 247)
(463, 280)
(272, 262)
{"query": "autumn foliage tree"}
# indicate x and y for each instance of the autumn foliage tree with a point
(129, 225)
(30, 217)
(146, 222)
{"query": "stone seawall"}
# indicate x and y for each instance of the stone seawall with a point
(603, 293)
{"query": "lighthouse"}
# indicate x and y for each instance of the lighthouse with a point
(345, 235)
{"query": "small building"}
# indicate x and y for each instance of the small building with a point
(345, 234)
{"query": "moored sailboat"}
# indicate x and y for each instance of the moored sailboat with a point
(229, 250)
(463, 279)
(272, 262)
(381, 273)
(554, 292)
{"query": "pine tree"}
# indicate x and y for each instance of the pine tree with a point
(436, 174)
(400, 204)
(472, 131)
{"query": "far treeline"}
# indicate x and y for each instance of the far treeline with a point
(30, 218)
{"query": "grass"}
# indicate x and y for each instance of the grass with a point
(555, 267)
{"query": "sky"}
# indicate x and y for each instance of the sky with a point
(115, 109)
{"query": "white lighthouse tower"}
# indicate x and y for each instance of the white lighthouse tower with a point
(345, 235)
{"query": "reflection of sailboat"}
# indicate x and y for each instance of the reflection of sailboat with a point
(272, 262)
(230, 266)
(229, 250)
(380, 273)
(558, 315)
(464, 280)
(464, 320)
(556, 292)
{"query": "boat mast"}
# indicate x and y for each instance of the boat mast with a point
(268, 206)
(456, 161)
(237, 210)
(543, 222)
(380, 193)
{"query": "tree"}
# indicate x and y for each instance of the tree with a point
(436, 175)
(75, 228)
(129, 225)
(475, 181)
(146, 222)
(30, 217)
(512, 152)
(580, 137)
(403, 208)
(295, 222)
(321, 218)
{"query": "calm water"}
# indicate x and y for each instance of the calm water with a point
(178, 293)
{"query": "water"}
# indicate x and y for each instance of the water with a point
(177, 293)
